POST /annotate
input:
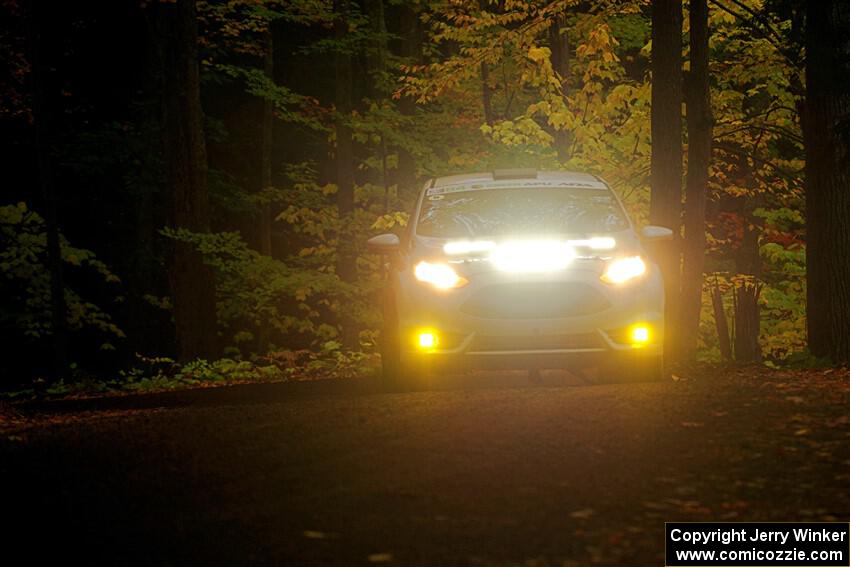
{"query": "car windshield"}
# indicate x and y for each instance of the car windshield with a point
(517, 211)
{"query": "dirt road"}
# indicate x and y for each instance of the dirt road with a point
(484, 470)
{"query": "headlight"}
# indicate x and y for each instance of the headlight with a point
(624, 270)
(441, 276)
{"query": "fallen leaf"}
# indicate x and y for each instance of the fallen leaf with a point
(582, 514)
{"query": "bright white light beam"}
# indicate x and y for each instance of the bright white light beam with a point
(527, 256)
(595, 243)
(468, 247)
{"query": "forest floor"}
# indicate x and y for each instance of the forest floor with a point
(484, 469)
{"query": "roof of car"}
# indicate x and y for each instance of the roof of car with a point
(516, 178)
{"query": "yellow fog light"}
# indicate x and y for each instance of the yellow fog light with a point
(639, 335)
(426, 340)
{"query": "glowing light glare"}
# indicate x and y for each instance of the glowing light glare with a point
(639, 334)
(532, 256)
(441, 276)
(596, 243)
(468, 247)
(625, 269)
(602, 243)
(426, 340)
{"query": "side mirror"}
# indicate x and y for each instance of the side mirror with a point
(656, 233)
(384, 244)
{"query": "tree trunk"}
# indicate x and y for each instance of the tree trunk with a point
(485, 93)
(666, 169)
(559, 46)
(747, 321)
(699, 157)
(721, 324)
(184, 152)
(828, 179)
(486, 106)
(344, 163)
(380, 83)
(264, 227)
(410, 49)
(377, 54)
(41, 132)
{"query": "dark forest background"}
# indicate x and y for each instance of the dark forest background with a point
(188, 185)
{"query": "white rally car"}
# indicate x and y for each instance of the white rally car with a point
(521, 269)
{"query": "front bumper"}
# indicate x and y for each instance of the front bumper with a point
(476, 327)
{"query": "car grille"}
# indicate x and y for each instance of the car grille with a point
(535, 300)
(536, 342)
